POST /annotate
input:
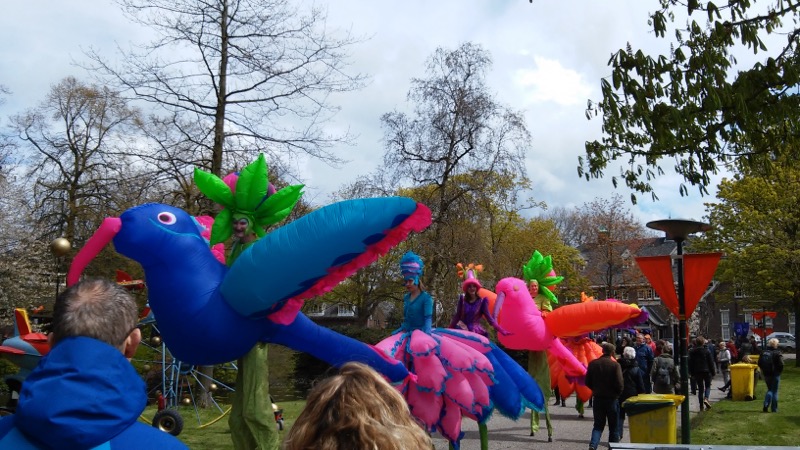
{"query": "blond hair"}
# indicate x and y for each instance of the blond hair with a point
(356, 409)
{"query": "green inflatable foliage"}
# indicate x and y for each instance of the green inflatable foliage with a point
(250, 201)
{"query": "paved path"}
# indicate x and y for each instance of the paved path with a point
(569, 431)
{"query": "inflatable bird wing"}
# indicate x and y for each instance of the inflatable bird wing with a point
(586, 351)
(210, 314)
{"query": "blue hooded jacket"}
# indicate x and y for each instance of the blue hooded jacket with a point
(83, 395)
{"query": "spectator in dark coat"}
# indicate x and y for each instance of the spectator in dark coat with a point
(666, 361)
(771, 365)
(633, 383)
(702, 368)
(604, 378)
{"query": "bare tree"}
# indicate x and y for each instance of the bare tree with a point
(457, 139)
(613, 235)
(238, 76)
(75, 143)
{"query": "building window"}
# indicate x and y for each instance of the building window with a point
(624, 296)
(315, 309)
(346, 311)
(641, 294)
(738, 292)
(748, 317)
(725, 323)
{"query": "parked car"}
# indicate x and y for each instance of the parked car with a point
(786, 343)
(779, 333)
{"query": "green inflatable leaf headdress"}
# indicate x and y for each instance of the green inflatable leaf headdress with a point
(540, 269)
(250, 201)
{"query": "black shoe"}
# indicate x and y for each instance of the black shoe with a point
(721, 389)
(563, 403)
(765, 409)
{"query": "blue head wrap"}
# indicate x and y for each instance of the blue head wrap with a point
(411, 266)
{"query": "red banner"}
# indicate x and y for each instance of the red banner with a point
(658, 270)
(698, 271)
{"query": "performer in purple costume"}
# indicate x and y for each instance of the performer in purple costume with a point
(471, 307)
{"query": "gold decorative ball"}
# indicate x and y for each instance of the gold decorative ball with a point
(213, 387)
(60, 247)
(156, 340)
(187, 401)
(147, 367)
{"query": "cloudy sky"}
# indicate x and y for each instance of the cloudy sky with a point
(548, 58)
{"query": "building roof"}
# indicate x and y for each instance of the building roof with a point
(654, 317)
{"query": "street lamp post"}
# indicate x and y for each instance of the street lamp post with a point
(678, 230)
(60, 247)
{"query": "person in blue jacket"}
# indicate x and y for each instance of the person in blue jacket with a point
(85, 394)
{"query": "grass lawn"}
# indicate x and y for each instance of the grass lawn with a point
(737, 423)
(728, 423)
(203, 433)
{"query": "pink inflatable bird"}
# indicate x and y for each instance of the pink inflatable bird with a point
(517, 313)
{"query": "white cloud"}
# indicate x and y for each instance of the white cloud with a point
(549, 81)
(548, 60)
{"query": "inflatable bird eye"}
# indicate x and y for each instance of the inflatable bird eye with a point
(167, 218)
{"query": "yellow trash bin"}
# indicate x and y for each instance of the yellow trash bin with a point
(742, 381)
(653, 418)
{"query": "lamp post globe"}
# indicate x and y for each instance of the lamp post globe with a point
(60, 247)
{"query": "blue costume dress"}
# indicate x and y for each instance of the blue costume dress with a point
(456, 373)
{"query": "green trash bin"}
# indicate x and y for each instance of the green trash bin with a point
(653, 418)
(742, 381)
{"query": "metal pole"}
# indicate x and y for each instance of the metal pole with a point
(58, 267)
(685, 417)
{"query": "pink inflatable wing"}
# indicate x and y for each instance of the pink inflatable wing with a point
(585, 350)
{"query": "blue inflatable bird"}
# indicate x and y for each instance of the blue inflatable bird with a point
(210, 314)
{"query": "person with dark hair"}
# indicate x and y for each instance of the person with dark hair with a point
(702, 368)
(84, 393)
(664, 374)
(356, 409)
(604, 378)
